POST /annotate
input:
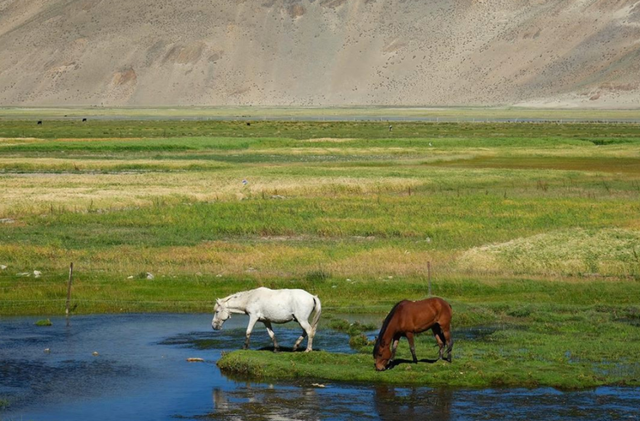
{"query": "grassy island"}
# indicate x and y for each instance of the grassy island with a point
(542, 345)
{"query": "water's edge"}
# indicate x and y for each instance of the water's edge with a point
(134, 366)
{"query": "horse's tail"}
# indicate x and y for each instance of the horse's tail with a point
(316, 316)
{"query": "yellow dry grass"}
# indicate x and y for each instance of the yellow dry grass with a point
(604, 252)
(35, 193)
(328, 139)
(267, 260)
(609, 151)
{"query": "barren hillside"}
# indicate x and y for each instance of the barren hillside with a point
(320, 52)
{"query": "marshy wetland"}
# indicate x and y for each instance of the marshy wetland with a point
(140, 371)
(531, 230)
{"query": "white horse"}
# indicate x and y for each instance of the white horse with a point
(267, 305)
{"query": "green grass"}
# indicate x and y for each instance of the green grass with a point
(324, 202)
(443, 133)
(44, 322)
(529, 227)
(559, 346)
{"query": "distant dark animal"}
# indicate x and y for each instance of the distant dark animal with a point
(84, 120)
(39, 122)
(408, 318)
(248, 123)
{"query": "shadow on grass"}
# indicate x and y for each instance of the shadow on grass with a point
(400, 361)
(285, 349)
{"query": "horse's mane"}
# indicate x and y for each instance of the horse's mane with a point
(234, 295)
(385, 324)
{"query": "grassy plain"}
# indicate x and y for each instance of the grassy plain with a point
(319, 113)
(532, 227)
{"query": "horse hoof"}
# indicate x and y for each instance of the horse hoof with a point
(276, 350)
(307, 350)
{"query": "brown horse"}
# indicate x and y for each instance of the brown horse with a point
(408, 318)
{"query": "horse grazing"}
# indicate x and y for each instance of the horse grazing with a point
(408, 318)
(267, 305)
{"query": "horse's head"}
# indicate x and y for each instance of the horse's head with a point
(220, 315)
(381, 354)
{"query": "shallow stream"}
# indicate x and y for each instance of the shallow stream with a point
(134, 367)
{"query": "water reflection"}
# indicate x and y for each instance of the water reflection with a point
(266, 403)
(261, 402)
(335, 402)
(405, 404)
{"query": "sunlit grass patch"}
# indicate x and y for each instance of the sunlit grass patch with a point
(111, 144)
(605, 252)
(65, 165)
(328, 140)
(588, 164)
(78, 191)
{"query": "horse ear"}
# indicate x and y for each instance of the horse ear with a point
(218, 301)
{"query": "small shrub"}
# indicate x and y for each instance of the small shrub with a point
(520, 312)
(358, 342)
(44, 322)
(317, 276)
(351, 329)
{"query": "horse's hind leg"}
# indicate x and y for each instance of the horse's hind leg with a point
(299, 341)
(444, 334)
(272, 335)
(440, 339)
(449, 342)
(307, 331)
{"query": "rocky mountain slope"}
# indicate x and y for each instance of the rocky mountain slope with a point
(320, 52)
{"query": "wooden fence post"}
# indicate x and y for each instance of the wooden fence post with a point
(429, 277)
(69, 292)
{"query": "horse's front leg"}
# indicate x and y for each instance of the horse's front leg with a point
(394, 346)
(272, 335)
(412, 347)
(252, 323)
